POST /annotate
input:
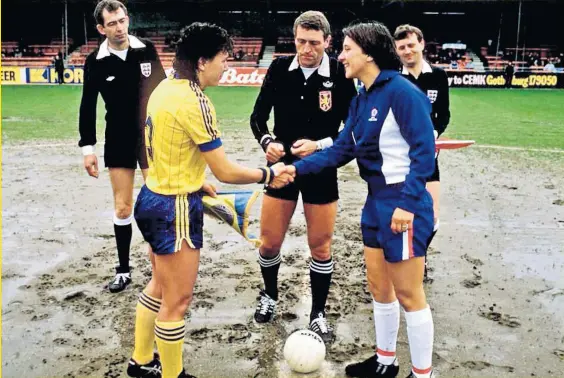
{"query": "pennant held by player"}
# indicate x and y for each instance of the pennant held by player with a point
(232, 207)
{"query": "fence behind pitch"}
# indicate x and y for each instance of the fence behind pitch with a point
(253, 77)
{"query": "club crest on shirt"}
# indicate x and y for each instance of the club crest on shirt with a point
(328, 84)
(325, 101)
(146, 69)
(373, 115)
(432, 95)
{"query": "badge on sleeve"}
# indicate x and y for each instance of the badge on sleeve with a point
(325, 101)
(146, 69)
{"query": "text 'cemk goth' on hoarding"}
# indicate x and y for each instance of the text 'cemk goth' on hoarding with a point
(500, 80)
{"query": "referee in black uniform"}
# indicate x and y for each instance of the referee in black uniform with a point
(433, 81)
(124, 70)
(310, 96)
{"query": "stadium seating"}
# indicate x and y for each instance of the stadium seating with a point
(32, 55)
(250, 46)
(531, 59)
(285, 47)
(249, 49)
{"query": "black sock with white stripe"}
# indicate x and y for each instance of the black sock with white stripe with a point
(320, 273)
(269, 268)
(123, 232)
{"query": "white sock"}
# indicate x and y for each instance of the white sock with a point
(386, 324)
(420, 332)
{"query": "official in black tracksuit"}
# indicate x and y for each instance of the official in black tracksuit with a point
(124, 70)
(310, 97)
(433, 81)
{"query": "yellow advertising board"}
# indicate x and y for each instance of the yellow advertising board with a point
(13, 75)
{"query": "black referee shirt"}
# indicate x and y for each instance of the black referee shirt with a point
(433, 81)
(125, 87)
(303, 109)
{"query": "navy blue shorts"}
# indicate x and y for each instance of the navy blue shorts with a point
(166, 220)
(377, 219)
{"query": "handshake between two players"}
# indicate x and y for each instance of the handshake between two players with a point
(285, 173)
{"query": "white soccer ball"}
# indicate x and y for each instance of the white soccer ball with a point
(304, 351)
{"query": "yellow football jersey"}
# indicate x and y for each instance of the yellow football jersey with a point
(181, 123)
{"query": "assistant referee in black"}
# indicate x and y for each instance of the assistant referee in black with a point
(433, 81)
(124, 70)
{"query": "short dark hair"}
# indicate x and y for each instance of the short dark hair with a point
(313, 20)
(110, 6)
(375, 40)
(403, 31)
(199, 40)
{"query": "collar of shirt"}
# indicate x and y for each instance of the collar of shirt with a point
(381, 79)
(324, 68)
(426, 68)
(122, 54)
(134, 43)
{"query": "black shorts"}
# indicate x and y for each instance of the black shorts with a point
(436, 176)
(125, 156)
(317, 189)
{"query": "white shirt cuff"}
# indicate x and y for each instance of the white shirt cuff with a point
(265, 136)
(87, 150)
(324, 143)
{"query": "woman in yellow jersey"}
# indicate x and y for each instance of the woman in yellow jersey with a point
(182, 139)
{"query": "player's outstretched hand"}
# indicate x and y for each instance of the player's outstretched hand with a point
(290, 169)
(91, 165)
(209, 189)
(280, 168)
(281, 181)
(281, 176)
(274, 152)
